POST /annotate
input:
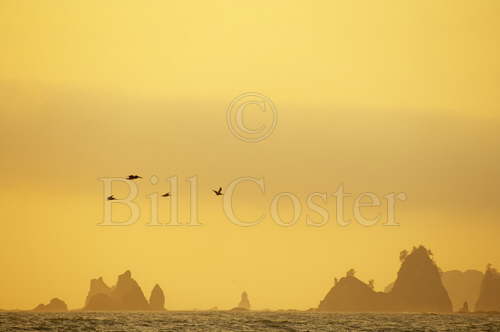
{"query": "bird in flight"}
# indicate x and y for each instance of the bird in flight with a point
(133, 177)
(111, 198)
(165, 194)
(218, 192)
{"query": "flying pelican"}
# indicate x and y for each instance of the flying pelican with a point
(165, 194)
(133, 177)
(218, 192)
(111, 198)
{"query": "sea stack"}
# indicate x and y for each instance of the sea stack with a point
(418, 288)
(489, 296)
(157, 299)
(244, 304)
(126, 295)
(351, 294)
(465, 308)
(55, 305)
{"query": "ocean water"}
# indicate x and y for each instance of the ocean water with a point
(243, 321)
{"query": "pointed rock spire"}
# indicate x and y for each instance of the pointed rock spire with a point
(129, 294)
(244, 302)
(157, 299)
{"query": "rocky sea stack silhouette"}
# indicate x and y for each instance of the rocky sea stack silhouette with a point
(418, 288)
(351, 294)
(244, 304)
(55, 305)
(97, 286)
(465, 308)
(157, 299)
(126, 295)
(462, 287)
(489, 296)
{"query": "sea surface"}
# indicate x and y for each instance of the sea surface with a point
(243, 321)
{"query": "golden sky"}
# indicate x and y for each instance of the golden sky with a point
(382, 96)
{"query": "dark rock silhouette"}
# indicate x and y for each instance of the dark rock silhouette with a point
(489, 295)
(55, 305)
(351, 294)
(417, 288)
(157, 299)
(126, 295)
(97, 286)
(465, 308)
(462, 287)
(244, 304)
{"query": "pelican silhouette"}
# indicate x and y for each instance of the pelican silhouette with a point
(111, 198)
(133, 177)
(218, 192)
(165, 194)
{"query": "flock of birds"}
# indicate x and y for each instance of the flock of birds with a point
(135, 177)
